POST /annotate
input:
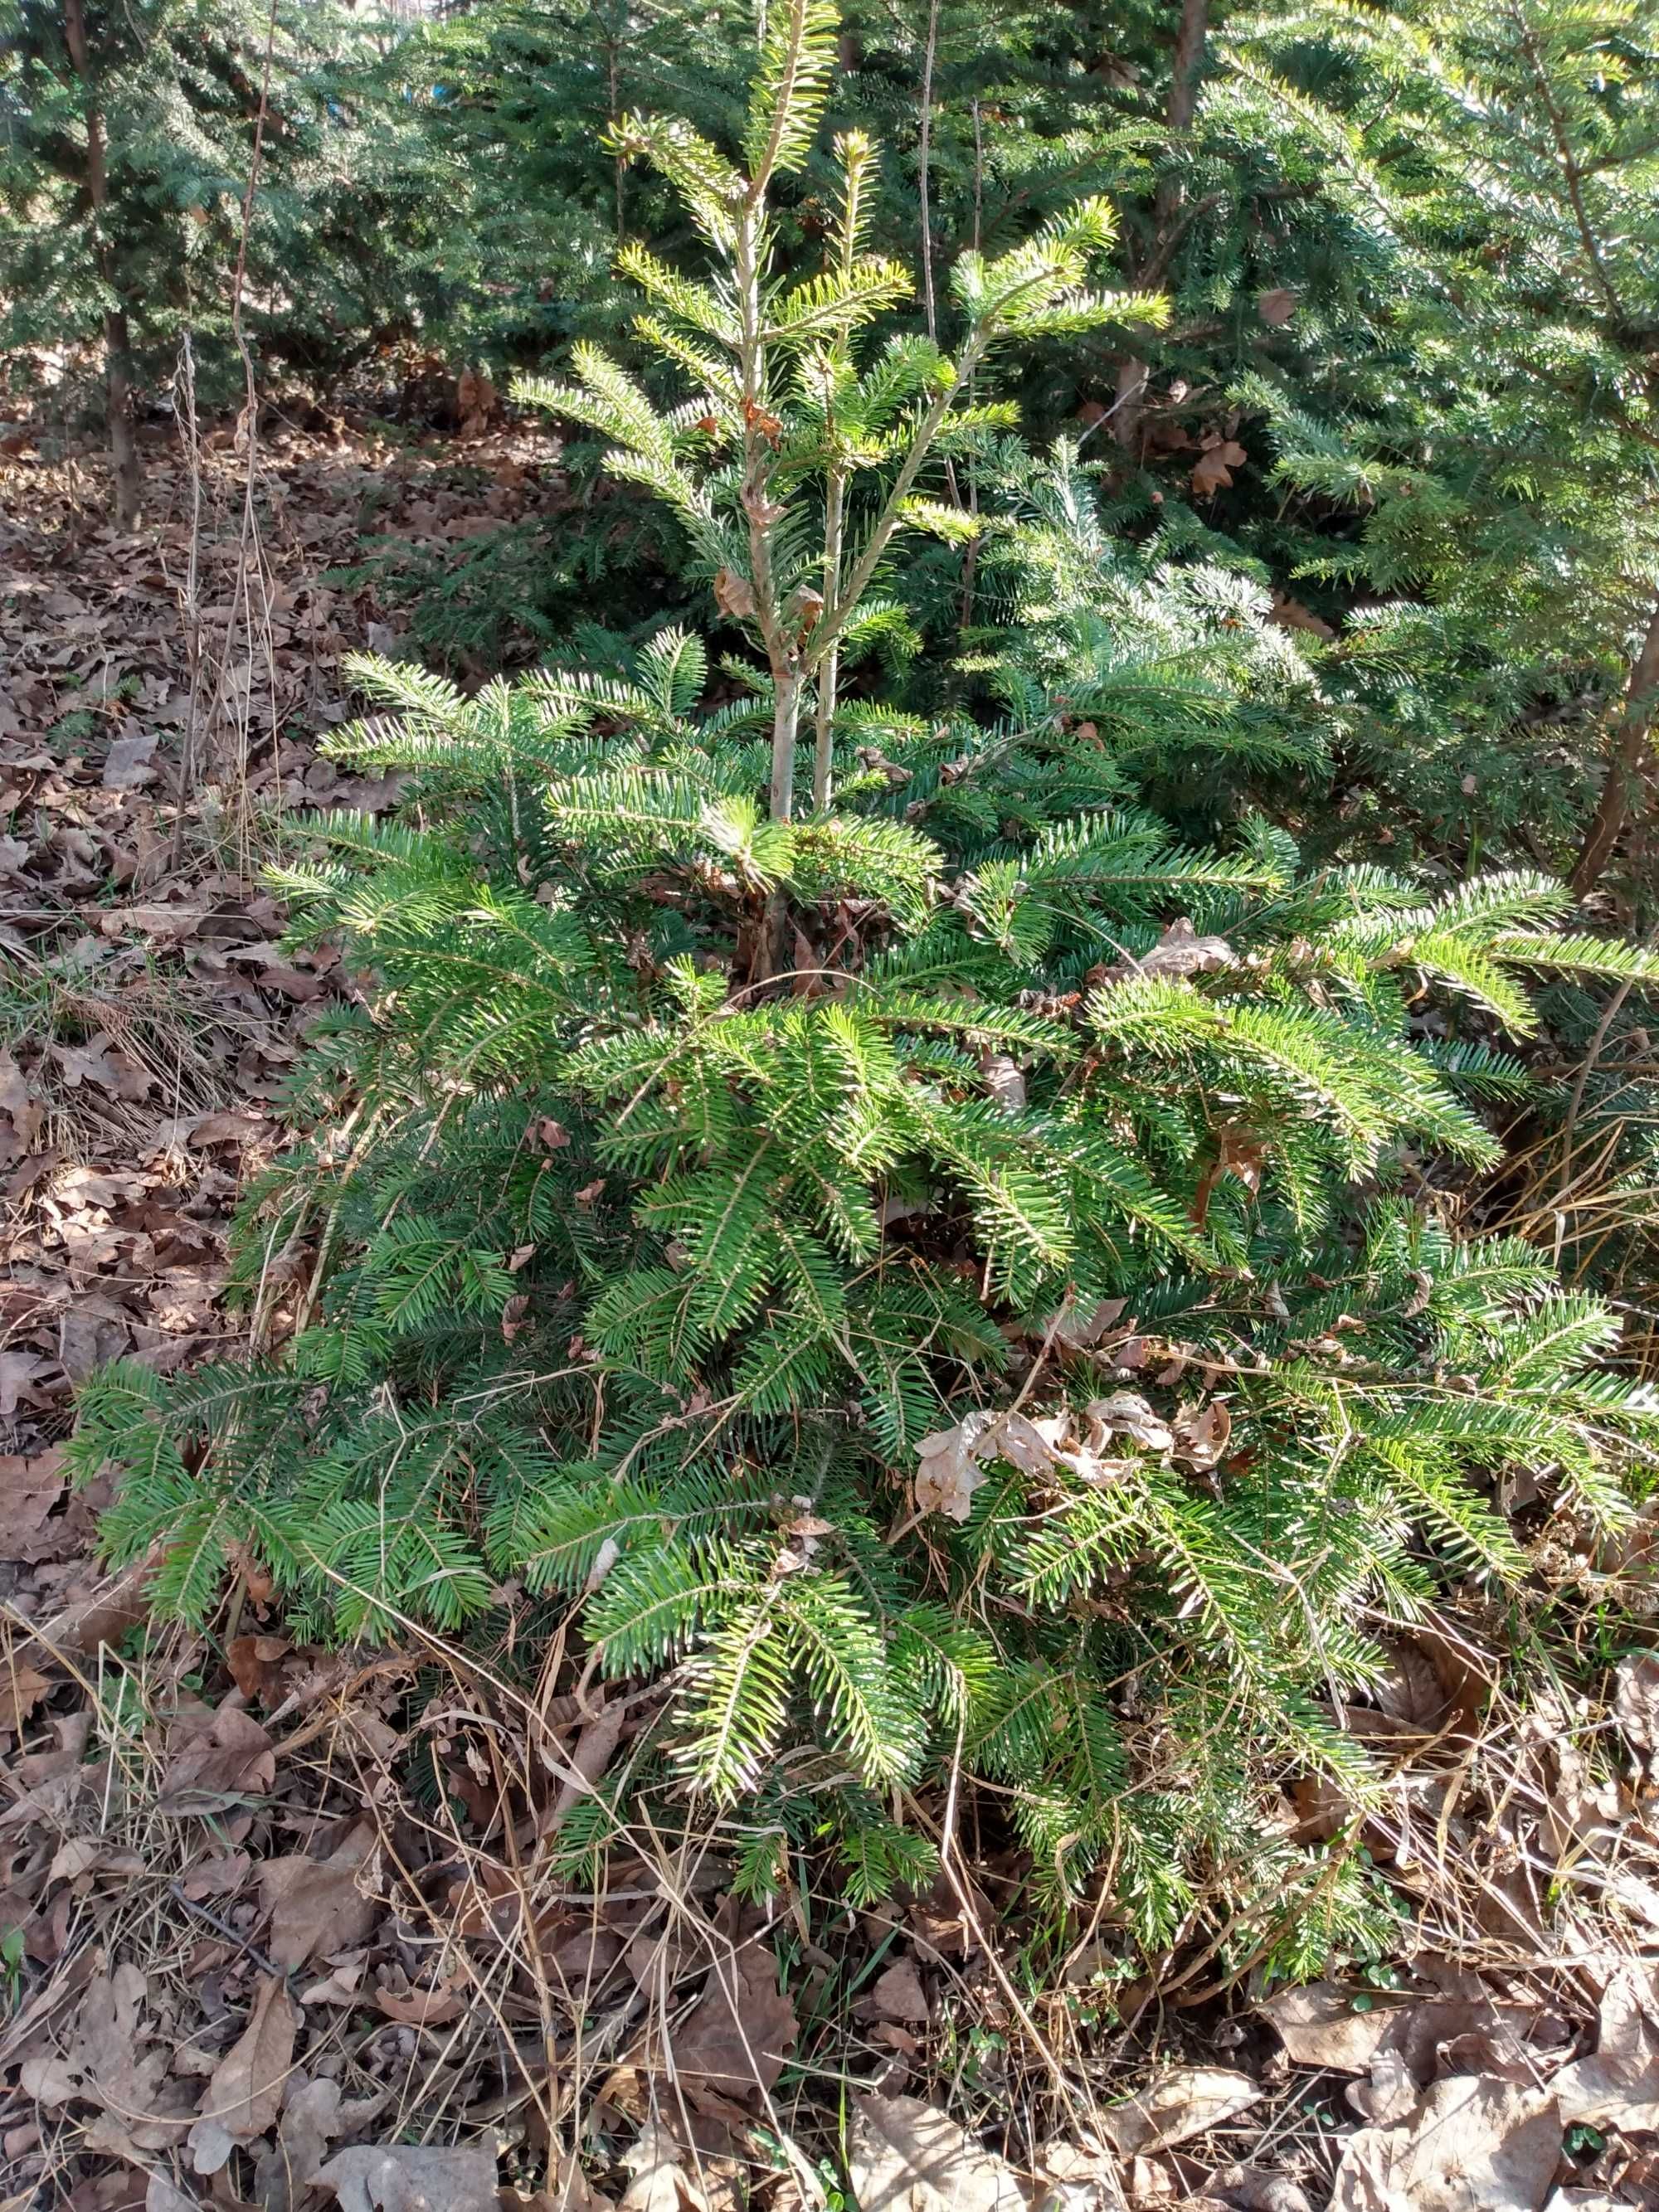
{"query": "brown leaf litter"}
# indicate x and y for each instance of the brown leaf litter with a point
(147, 1014)
(259, 1967)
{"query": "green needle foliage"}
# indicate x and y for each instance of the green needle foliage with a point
(781, 410)
(1491, 449)
(959, 1280)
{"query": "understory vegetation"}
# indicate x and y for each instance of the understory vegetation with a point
(1001, 1128)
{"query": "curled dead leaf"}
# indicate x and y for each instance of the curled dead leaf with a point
(949, 1470)
(906, 2156)
(1185, 2100)
(1126, 1414)
(1291, 613)
(1636, 1700)
(660, 2182)
(1473, 2144)
(245, 2093)
(409, 2178)
(1179, 951)
(1201, 1433)
(1213, 470)
(734, 595)
(1004, 1082)
(1080, 1331)
(230, 1762)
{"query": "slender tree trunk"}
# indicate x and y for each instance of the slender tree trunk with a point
(118, 347)
(1626, 763)
(763, 514)
(614, 87)
(923, 163)
(786, 718)
(1191, 36)
(823, 750)
(970, 558)
(122, 438)
(1194, 29)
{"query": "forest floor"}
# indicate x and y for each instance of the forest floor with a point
(276, 1927)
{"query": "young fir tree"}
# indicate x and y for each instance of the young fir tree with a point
(1490, 450)
(1014, 1335)
(780, 408)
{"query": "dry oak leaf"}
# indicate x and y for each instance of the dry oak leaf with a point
(743, 2030)
(1318, 2026)
(1081, 1332)
(230, 1762)
(660, 2182)
(1391, 2095)
(126, 764)
(20, 1382)
(1032, 1446)
(949, 1471)
(102, 2065)
(245, 2093)
(15, 1097)
(568, 2190)
(255, 1663)
(310, 2120)
(1276, 307)
(340, 1987)
(898, 1994)
(1126, 1414)
(315, 1904)
(1004, 1082)
(1291, 613)
(420, 2007)
(1213, 470)
(1201, 1435)
(1636, 1700)
(475, 401)
(221, 1874)
(21, 1688)
(1180, 952)
(1252, 2188)
(407, 2178)
(226, 1129)
(1187, 2101)
(83, 1856)
(1474, 2144)
(103, 1064)
(1619, 2086)
(161, 2195)
(906, 2156)
(733, 594)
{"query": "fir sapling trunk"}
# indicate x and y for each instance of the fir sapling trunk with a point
(1625, 765)
(823, 750)
(763, 514)
(1192, 39)
(785, 721)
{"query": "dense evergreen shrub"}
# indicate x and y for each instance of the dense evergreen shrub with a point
(933, 1269)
